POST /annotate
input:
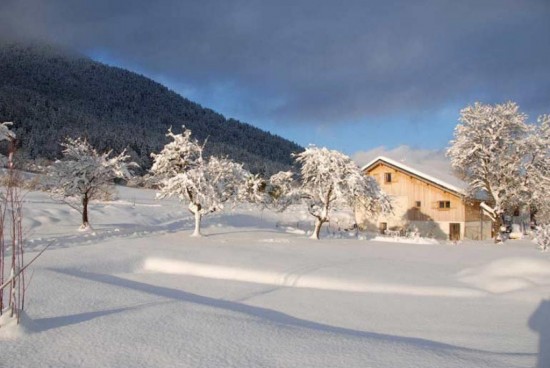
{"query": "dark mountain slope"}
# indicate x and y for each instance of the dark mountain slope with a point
(51, 93)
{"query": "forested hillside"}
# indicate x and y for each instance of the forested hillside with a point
(51, 93)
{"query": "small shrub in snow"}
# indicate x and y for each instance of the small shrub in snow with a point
(84, 175)
(12, 267)
(11, 234)
(277, 192)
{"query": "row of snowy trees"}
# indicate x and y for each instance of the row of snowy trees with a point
(501, 156)
(504, 159)
(328, 180)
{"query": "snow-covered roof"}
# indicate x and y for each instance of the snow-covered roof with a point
(444, 179)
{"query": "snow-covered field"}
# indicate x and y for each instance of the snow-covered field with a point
(137, 291)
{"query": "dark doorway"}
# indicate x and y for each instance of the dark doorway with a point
(454, 232)
(382, 227)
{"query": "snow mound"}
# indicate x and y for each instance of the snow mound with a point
(508, 275)
(9, 329)
(298, 280)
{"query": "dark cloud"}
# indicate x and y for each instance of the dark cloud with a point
(314, 60)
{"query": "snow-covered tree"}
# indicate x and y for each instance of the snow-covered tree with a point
(83, 175)
(206, 184)
(331, 180)
(496, 153)
(537, 170)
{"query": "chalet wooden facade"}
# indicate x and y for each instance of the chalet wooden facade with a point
(425, 203)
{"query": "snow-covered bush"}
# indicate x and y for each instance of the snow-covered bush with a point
(276, 193)
(542, 236)
(502, 157)
(330, 180)
(84, 175)
(7, 135)
(206, 184)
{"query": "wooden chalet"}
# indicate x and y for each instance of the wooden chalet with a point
(425, 203)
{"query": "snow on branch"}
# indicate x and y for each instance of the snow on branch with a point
(542, 236)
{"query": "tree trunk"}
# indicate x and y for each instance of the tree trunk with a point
(497, 224)
(318, 223)
(85, 223)
(196, 210)
(197, 231)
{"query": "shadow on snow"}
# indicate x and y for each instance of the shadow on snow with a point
(272, 316)
(51, 323)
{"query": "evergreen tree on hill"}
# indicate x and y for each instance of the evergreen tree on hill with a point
(52, 94)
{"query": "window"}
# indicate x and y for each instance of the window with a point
(444, 205)
(387, 177)
(418, 204)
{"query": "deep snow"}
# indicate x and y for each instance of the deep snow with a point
(137, 291)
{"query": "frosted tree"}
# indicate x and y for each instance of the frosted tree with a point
(489, 151)
(330, 180)
(84, 175)
(537, 170)
(206, 184)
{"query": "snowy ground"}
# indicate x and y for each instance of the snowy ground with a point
(139, 292)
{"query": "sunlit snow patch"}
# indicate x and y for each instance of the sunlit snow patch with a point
(401, 239)
(299, 280)
(272, 240)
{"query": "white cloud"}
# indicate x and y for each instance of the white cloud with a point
(407, 155)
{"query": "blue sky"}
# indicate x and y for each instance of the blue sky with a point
(428, 130)
(353, 76)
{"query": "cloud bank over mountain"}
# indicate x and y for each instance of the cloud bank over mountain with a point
(313, 61)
